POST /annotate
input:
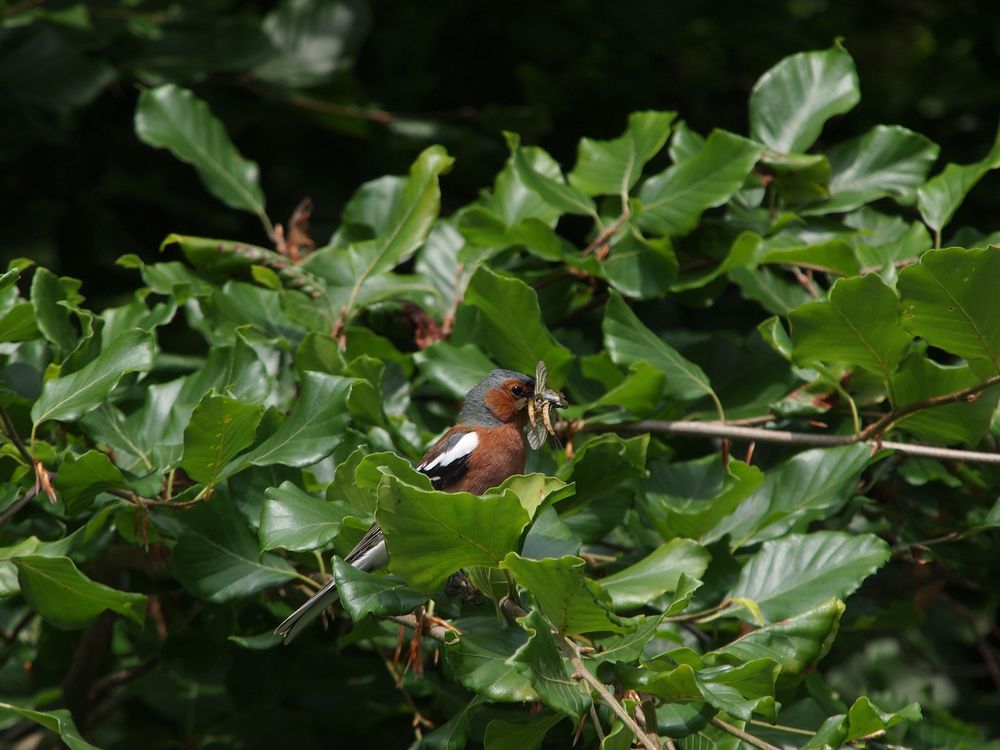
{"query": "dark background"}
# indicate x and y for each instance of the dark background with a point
(77, 189)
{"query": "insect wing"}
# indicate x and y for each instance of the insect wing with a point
(541, 374)
(537, 434)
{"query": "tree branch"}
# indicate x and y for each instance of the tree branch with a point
(434, 630)
(581, 672)
(869, 434)
(16, 507)
(747, 738)
(11, 432)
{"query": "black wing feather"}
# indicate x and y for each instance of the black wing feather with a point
(443, 476)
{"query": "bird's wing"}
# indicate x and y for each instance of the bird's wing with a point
(448, 460)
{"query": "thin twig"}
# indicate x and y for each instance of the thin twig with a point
(747, 738)
(16, 507)
(581, 672)
(597, 723)
(11, 432)
(964, 395)
(436, 631)
(608, 232)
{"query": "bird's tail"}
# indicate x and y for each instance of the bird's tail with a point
(369, 554)
(300, 618)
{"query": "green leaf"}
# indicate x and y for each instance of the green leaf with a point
(364, 594)
(792, 101)
(65, 598)
(539, 660)
(82, 478)
(515, 331)
(219, 429)
(628, 340)
(452, 735)
(865, 718)
(358, 276)
(639, 267)
(796, 643)
(812, 484)
(656, 574)
(505, 735)
(574, 603)
(70, 397)
(940, 196)
(688, 499)
(216, 557)
(799, 571)
(480, 658)
(311, 40)
(798, 178)
(295, 520)
(174, 118)
(673, 201)
(53, 318)
(857, 325)
(613, 167)
(947, 299)
(888, 160)
(603, 464)
(311, 430)
(430, 535)
(59, 721)
(357, 478)
(920, 378)
(18, 323)
(551, 188)
(549, 536)
(456, 369)
(743, 690)
(640, 392)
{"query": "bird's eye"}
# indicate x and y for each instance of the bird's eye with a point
(517, 391)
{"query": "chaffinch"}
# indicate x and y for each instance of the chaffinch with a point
(486, 446)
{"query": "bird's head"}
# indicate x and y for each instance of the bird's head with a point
(501, 397)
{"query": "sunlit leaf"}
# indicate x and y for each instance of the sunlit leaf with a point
(172, 117)
(77, 393)
(573, 603)
(656, 574)
(517, 335)
(947, 299)
(613, 167)
(857, 325)
(792, 101)
(295, 520)
(790, 575)
(673, 201)
(430, 534)
(628, 340)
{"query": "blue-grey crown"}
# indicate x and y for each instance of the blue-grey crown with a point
(475, 411)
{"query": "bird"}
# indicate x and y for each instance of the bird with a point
(487, 446)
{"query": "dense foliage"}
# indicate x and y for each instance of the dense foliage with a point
(163, 510)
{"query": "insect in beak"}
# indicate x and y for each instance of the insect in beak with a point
(540, 408)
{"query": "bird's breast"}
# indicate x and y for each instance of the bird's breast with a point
(501, 453)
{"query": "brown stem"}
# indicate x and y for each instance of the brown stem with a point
(436, 631)
(870, 434)
(16, 507)
(608, 232)
(11, 432)
(572, 651)
(747, 738)
(882, 425)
